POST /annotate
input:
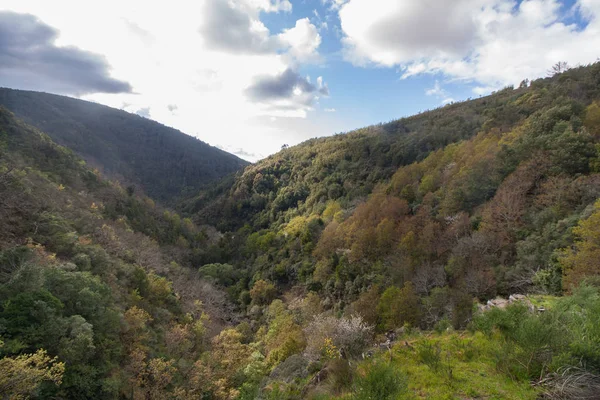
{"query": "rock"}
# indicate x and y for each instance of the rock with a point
(503, 303)
(497, 303)
(482, 307)
(390, 335)
(520, 298)
(517, 297)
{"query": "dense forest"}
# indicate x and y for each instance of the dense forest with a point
(161, 161)
(452, 254)
(96, 289)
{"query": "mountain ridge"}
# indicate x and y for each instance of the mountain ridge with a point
(162, 161)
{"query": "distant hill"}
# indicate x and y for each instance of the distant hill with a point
(162, 161)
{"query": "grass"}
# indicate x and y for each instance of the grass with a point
(457, 365)
(543, 300)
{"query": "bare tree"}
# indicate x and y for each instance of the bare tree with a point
(558, 68)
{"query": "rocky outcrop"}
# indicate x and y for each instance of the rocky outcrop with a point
(512, 299)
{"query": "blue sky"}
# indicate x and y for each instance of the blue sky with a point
(365, 95)
(251, 75)
(377, 94)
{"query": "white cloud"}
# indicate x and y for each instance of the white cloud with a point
(318, 21)
(436, 90)
(334, 4)
(269, 5)
(161, 50)
(440, 93)
(329, 110)
(286, 94)
(392, 32)
(235, 27)
(491, 42)
(303, 41)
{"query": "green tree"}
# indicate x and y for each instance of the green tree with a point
(399, 306)
(262, 292)
(592, 119)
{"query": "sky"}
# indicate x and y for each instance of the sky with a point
(249, 76)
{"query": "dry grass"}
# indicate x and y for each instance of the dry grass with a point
(571, 383)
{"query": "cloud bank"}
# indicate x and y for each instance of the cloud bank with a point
(30, 59)
(490, 42)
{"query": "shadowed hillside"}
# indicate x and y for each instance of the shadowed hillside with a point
(160, 160)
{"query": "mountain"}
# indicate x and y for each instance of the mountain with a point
(161, 161)
(452, 254)
(404, 224)
(347, 167)
(471, 185)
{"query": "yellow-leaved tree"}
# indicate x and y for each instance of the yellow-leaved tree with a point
(21, 376)
(582, 260)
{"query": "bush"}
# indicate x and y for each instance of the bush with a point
(568, 335)
(348, 335)
(381, 382)
(530, 340)
(442, 325)
(430, 354)
(263, 292)
(294, 367)
(399, 306)
(581, 315)
(223, 274)
(341, 375)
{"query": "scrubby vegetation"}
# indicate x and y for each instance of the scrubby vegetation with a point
(352, 267)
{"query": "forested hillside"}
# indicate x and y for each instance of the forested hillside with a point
(454, 254)
(161, 161)
(485, 192)
(406, 223)
(97, 299)
(346, 166)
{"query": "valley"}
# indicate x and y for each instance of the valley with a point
(137, 262)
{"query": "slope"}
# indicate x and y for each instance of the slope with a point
(96, 296)
(346, 167)
(403, 227)
(401, 244)
(160, 160)
(485, 214)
